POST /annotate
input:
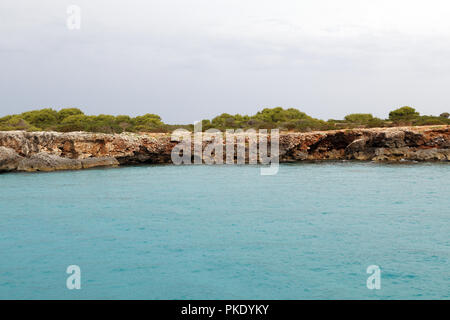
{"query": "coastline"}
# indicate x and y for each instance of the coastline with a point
(50, 151)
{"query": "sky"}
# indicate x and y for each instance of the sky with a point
(187, 60)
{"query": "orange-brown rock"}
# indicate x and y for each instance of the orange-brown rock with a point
(47, 151)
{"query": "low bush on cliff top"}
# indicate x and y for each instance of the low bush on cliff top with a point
(73, 119)
(409, 116)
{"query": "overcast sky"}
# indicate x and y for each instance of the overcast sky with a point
(193, 59)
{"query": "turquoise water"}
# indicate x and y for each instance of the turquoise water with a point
(225, 232)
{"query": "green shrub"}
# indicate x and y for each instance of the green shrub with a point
(73, 119)
(64, 113)
(44, 118)
(148, 122)
(430, 120)
(15, 122)
(79, 122)
(362, 118)
(403, 114)
(124, 122)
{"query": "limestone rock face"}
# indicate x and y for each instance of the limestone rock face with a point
(99, 162)
(47, 162)
(43, 161)
(9, 159)
(48, 151)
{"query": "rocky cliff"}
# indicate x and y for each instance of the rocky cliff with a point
(48, 151)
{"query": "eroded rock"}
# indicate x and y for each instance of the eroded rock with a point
(48, 151)
(9, 159)
(99, 162)
(43, 161)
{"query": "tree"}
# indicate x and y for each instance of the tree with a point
(15, 122)
(279, 115)
(147, 122)
(295, 114)
(224, 121)
(124, 122)
(359, 117)
(403, 113)
(104, 123)
(78, 122)
(445, 115)
(44, 118)
(64, 113)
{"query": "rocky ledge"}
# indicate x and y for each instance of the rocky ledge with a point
(49, 151)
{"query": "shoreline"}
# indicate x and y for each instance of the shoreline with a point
(22, 151)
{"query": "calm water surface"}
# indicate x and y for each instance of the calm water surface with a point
(225, 232)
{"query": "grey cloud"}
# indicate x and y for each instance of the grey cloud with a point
(200, 67)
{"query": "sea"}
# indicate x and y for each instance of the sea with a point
(325, 230)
